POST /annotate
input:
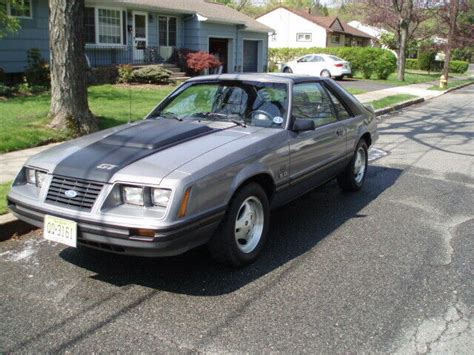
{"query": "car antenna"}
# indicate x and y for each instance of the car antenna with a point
(130, 103)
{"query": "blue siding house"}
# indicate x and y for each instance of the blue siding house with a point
(145, 32)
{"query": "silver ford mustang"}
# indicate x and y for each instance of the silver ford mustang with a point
(205, 166)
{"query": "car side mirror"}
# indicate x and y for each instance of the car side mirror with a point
(301, 125)
(370, 108)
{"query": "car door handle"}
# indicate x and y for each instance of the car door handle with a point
(340, 132)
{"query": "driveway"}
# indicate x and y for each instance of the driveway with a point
(387, 269)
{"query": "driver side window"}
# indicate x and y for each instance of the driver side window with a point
(311, 101)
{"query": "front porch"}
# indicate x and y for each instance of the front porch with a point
(102, 56)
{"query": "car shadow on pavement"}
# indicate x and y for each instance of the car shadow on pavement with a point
(295, 229)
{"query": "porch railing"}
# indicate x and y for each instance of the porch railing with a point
(101, 56)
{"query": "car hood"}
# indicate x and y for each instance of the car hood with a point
(149, 149)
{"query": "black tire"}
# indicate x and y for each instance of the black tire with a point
(224, 246)
(325, 73)
(287, 70)
(348, 180)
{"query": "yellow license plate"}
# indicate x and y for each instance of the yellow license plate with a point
(60, 230)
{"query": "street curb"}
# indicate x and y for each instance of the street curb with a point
(458, 87)
(396, 107)
(10, 225)
(385, 110)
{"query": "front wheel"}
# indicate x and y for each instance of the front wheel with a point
(287, 70)
(353, 176)
(242, 233)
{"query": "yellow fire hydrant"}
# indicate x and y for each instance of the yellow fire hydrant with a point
(443, 82)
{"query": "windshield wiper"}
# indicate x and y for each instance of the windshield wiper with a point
(238, 123)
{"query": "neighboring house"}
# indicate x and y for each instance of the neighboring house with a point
(372, 31)
(145, 32)
(296, 29)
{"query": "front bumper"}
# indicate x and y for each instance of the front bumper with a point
(119, 239)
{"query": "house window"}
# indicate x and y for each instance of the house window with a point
(110, 26)
(336, 39)
(104, 26)
(303, 37)
(167, 31)
(21, 9)
(89, 25)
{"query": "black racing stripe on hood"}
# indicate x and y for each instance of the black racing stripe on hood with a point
(125, 147)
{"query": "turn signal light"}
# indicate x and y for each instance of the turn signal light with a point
(184, 203)
(144, 232)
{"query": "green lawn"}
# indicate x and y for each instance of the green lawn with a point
(24, 119)
(391, 100)
(356, 91)
(452, 84)
(410, 78)
(4, 188)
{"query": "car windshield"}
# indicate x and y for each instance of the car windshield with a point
(242, 102)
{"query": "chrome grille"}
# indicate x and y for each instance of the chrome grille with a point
(87, 193)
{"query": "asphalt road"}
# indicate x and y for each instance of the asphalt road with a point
(388, 269)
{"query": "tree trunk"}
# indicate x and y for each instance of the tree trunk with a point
(69, 105)
(402, 50)
(453, 14)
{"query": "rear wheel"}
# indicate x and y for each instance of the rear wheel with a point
(325, 73)
(353, 176)
(287, 70)
(242, 234)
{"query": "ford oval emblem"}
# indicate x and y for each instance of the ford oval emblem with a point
(70, 193)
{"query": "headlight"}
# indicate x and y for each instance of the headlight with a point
(31, 176)
(133, 195)
(160, 197)
(35, 177)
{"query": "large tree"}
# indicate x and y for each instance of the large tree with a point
(403, 17)
(455, 24)
(69, 105)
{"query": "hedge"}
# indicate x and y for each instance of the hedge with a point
(366, 60)
(455, 66)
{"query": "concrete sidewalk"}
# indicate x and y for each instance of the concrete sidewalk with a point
(420, 90)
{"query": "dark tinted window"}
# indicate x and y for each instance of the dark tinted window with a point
(311, 101)
(342, 112)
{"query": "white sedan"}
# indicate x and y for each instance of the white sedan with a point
(324, 65)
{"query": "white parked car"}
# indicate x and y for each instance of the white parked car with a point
(324, 65)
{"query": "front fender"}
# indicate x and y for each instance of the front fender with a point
(246, 174)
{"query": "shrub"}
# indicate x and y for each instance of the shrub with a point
(102, 75)
(426, 60)
(5, 90)
(411, 64)
(37, 70)
(385, 64)
(366, 60)
(125, 73)
(152, 74)
(200, 61)
(179, 57)
(458, 66)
